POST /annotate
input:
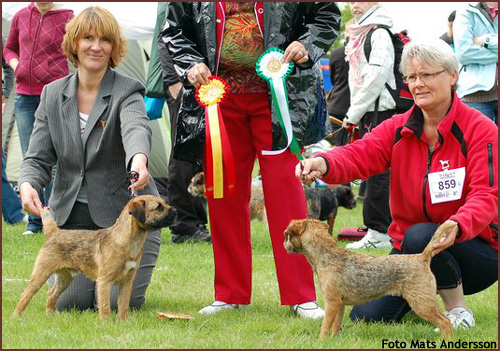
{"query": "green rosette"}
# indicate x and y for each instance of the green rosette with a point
(275, 72)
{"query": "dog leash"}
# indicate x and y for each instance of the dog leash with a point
(132, 175)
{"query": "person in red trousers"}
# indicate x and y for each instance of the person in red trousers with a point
(226, 39)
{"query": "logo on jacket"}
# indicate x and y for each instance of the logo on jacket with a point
(445, 164)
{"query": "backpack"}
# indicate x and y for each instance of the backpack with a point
(401, 95)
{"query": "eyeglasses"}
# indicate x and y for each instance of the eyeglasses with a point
(424, 77)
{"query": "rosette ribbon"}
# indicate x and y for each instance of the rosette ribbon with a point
(218, 154)
(275, 72)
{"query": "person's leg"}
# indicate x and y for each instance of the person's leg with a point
(191, 211)
(462, 269)
(285, 200)
(376, 212)
(230, 215)
(11, 204)
(24, 111)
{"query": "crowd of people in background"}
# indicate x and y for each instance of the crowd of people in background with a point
(79, 131)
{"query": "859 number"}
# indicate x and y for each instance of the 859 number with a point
(447, 184)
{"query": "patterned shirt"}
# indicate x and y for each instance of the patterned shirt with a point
(241, 47)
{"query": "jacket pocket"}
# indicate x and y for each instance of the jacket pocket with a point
(490, 163)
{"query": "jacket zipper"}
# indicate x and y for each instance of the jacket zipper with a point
(35, 41)
(426, 178)
(490, 163)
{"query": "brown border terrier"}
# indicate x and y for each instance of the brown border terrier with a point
(257, 208)
(349, 278)
(108, 256)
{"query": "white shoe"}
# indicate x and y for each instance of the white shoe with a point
(372, 238)
(308, 310)
(218, 306)
(460, 318)
(28, 232)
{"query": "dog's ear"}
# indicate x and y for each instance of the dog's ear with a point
(137, 209)
(305, 224)
(199, 178)
(296, 227)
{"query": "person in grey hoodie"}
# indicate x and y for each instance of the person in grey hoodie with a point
(371, 104)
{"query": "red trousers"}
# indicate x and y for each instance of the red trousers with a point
(248, 123)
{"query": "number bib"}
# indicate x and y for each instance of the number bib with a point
(446, 185)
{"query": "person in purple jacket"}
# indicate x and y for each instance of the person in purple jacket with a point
(33, 50)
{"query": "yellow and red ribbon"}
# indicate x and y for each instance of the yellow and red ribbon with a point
(218, 154)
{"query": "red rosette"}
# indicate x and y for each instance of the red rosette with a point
(212, 93)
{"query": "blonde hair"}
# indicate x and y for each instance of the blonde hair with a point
(104, 24)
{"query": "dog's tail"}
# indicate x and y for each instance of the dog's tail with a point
(49, 224)
(438, 234)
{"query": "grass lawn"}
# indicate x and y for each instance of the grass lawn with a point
(183, 283)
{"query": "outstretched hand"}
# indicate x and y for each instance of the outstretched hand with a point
(29, 199)
(139, 165)
(310, 170)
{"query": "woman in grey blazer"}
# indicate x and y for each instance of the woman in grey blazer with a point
(93, 124)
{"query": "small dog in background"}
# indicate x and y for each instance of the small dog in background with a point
(257, 207)
(323, 203)
(108, 256)
(349, 278)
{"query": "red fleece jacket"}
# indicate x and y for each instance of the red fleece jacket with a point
(466, 139)
(35, 40)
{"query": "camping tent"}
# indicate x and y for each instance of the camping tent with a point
(137, 21)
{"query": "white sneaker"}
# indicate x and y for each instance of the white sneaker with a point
(460, 318)
(28, 232)
(372, 238)
(218, 306)
(308, 310)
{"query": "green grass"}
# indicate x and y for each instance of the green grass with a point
(183, 283)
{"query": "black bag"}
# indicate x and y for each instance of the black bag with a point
(401, 95)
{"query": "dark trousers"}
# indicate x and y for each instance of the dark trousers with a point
(473, 263)
(82, 292)
(191, 211)
(376, 211)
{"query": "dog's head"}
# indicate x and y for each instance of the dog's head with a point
(197, 185)
(345, 197)
(300, 232)
(292, 235)
(151, 212)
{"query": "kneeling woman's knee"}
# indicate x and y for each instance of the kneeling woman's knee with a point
(417, 237)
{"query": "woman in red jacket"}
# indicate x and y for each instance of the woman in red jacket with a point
(33, 50)
(443, 157)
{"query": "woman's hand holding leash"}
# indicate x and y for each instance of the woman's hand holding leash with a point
(310, 170)
(139, 165)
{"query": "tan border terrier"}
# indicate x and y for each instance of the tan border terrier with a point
(349, 278)
(108, 256)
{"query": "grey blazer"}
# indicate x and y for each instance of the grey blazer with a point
(116, 130)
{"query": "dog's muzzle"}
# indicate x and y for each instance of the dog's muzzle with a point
(167, 220)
